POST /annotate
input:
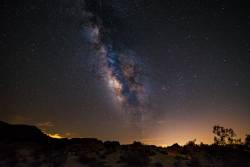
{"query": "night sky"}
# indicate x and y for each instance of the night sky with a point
(158, 71)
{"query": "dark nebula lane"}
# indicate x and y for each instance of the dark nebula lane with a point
(119, 70)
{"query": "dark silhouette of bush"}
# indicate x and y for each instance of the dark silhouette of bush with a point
(194, 162)
(134, 158)
(137, 144)
(247, 140)
(91, 161)
(177, 164)
(135, 155)
(89, 144)
(190, 147)
(85, 160)
(158, 164)
(139, 147)
(175, 147)
(111, 146)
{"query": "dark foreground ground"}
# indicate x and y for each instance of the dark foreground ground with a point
(22, 145)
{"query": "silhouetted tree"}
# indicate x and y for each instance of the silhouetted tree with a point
(224, 136)
(247, 140)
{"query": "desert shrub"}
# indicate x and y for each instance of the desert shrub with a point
(177, 163)
(247, 140)
(190, 147)
(91, 161)
(175, 147)
(194, 162)
(158, 164)
(86, 159)
(111, 146)
(134, 158)
(143, 149)
(162, 151)
(97, 164)
(137, 144)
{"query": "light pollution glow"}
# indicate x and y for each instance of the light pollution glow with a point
(56, 136)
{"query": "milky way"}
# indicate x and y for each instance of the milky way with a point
(121, 70)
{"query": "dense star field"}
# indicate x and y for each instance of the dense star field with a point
(156, 71)
(120, 70)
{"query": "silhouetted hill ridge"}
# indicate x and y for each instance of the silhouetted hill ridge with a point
(25, 145)
(19, 132)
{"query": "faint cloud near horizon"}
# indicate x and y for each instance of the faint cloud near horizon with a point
(49, 128)
(19, 119)
(45, 125)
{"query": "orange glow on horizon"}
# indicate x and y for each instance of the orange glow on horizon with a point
(56, 136)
